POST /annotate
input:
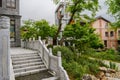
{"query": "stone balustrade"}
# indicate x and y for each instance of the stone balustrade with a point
(52, 62)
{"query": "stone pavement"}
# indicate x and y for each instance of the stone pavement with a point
(18, 50)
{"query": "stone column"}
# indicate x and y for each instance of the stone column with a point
(4, 48)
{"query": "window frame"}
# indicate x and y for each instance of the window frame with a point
(106, 25)
(12, 39)
(105, 43)
(11, 4)
(106, 34)
(0, 3)
(111, 33)
(118, 32)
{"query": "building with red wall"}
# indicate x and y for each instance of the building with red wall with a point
(108, 35)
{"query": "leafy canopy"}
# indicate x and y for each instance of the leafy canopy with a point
(83, 36)
(35, 29)
(114, 8)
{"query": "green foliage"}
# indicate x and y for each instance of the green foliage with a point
(76, 7)
(77, 66)
(27, 30)
(110, 51)
(35, 29)
(50, 46)
(79, 6)
(114, 7)
(66, 53)
(113, 66)
(83, 36)
(108, 55)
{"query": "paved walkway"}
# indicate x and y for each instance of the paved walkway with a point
(18, 50)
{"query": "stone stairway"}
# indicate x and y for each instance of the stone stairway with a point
(25, 64)
(30, 65)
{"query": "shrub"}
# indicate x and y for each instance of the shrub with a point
(50, 46)
(113, 66)
(66, 53)
(110, 51)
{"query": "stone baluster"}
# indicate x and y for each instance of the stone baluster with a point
(50, 54)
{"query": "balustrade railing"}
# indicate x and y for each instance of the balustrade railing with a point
(52, 62)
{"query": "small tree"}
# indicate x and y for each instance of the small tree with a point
(83, 36)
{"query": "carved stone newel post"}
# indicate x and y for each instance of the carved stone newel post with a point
(4, 48)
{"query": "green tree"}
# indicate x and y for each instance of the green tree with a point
(42, 28)
(83, 36)
(53, 30)
(76, 8)
(27, 30)
(114, 9)
(35, 29)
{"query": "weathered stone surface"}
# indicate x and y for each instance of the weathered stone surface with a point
(12, 13)
(86, 77)
(104, 69)
(4, 48)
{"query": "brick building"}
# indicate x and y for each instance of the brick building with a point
(10, 8)
(108, 35)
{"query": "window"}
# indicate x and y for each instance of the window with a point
(12, 30)
(0, 3)
(111, 33)
(11, 3)
(106, 34)
(106, 25)
(119, 33)
(105, 43)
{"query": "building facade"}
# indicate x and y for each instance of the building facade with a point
(10, 8)
(108, 35)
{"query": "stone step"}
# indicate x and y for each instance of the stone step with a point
(51, 78)
(27, 64)
(24, 69)
(24, 55)
(29, 72)
(25, 58)
(26, 61)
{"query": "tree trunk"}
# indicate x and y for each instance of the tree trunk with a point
(71, 18)
(58, 31)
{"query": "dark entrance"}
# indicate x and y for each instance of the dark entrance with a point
(105, 43)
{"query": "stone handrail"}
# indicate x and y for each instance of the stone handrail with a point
(52, 62)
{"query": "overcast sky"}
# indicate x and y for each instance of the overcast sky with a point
(44, 9)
